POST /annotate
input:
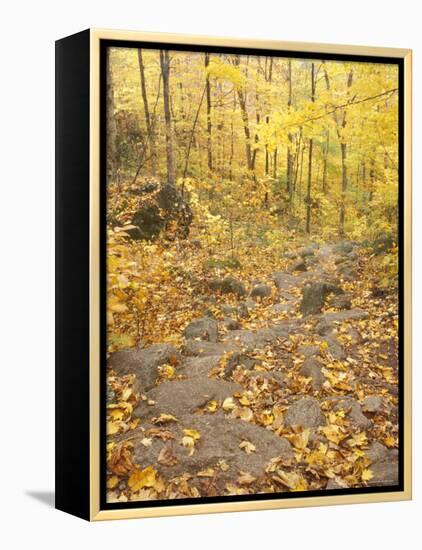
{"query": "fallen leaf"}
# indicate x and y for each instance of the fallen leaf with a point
(166, 457)
(142, 478)
(247, 446)
(164, 418)
(367, 475)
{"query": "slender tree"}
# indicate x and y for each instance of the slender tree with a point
(111, 124)
(209, 122)
(311, 142)
(241, 94)
(165, 72)
(148, 121)
(289, 164)
(340, 131)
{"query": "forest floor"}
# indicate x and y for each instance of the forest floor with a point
(279, 380)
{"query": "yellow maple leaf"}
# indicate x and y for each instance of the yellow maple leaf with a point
(164, 418)
(333, 433)
(112, 482)
(212, 406)
(189, 443)
(194, 434)
(390, 441)
(113, 428)
(142, 478)
(357, 440)
(266, 418)
(247, 446)
(367, 475)
(228, 404)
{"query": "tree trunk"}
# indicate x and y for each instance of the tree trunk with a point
(209, 123)
(150, 129)
(343, 186)
(245, 118)
(267, 118)
(165, 71)
(372, 180)
(289, 166)
(325, 164)
(308, 193)
(344, 165)
(111, 125)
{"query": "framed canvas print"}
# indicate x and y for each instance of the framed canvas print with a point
(233, 274)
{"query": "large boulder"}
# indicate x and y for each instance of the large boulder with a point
(231, 324)
(203, 328)
(182, 397)
(373, 404)
(314, 296)
(251, 339)
(347, 271)
(143, 362)
(261, 291)
(385, 472)
(219, 443)
(353, 412)
(343, 247)
(334, 347)
(228, 285)
(300, 265)
(159, 207)
(307, 251)
(342, 316)
(305, 412)
(342, 302)
(193, 367)
(204, 349)
(383, 244)
(376, 451)
(240, 359)
(311, 368)
(285, 281)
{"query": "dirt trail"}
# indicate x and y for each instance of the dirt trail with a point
(268, 395)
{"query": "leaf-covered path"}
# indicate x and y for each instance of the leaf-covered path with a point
(284, 383)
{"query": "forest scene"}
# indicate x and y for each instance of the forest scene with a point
(252, 274)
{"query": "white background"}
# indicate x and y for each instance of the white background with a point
(27, 37)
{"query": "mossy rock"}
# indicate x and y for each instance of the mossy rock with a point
(222, 263)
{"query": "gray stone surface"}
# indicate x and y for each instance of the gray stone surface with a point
(340, 316)
(261, 291)
(373, 404)
(305, 412)
(300, 265)
(334, 347)
(376, 451)
(228, 285)
(220, 439)
(195, 347)
(314, 296)
(353, 412)
(285, 281)
(385, 472)
(203, 328)
(198, 366)
(251, 339)
(342, 302)
(231, 324)
(143, 362)
(311, 368)
(240, 359)
(182, 397)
